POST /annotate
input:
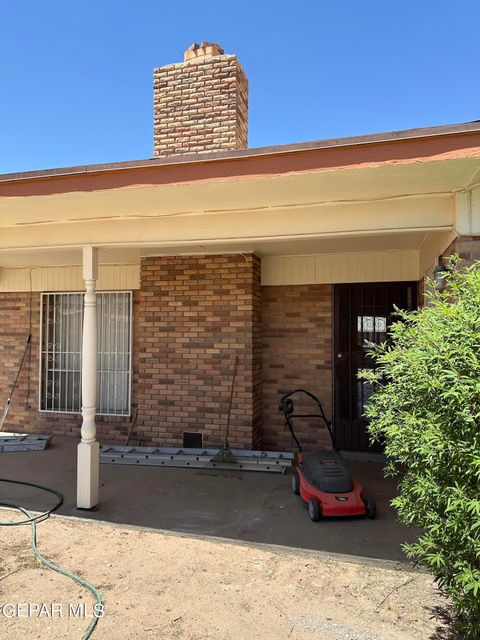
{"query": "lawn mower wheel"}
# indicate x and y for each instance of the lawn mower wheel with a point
(370, 507)
(295, 483)
(314, 510)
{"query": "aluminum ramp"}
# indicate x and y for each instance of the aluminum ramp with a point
(23, 442)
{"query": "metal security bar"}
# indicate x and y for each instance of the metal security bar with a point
(61, 352)
(60, 379)
(114, 353)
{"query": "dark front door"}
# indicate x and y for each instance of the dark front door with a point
(363, 313)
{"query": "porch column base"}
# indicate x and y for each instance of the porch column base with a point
(88, 467)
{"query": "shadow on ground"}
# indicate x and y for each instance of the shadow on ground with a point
(447, 629)
(245, 506)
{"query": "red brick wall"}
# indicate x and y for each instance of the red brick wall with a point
(297, 352)
(467, 247)
(193, 315)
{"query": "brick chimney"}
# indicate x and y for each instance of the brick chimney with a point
(200, 104)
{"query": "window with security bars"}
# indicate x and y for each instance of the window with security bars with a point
(61, 352)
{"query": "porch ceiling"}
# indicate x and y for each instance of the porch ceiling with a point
(392, 242)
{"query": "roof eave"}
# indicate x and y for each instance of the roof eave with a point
(216, 156)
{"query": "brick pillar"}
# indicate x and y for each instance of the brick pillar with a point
(193, 315)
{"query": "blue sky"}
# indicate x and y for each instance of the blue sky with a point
(76, 77)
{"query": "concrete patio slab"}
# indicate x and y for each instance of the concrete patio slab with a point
(243, 506)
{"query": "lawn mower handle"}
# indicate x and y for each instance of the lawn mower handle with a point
(286, 406)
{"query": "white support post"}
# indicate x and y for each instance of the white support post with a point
(88, 453)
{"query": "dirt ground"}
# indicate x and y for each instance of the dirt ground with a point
(158, 585)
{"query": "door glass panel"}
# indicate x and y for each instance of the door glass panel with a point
(363, 392)
(344, 320)
(344, 395)
(371, 329)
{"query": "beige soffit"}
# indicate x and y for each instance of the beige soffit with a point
(235, 196)
(330, 267)
(338, 268)
(426, 213)
(117, 277)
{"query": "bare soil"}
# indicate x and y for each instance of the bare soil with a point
(168, 586)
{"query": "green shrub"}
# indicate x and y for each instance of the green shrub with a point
(426, 409)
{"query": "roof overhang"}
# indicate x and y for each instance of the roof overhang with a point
(397, 146)
(308, 198)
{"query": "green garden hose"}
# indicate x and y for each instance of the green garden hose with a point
(33, 520)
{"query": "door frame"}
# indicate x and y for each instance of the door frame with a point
(335, 343)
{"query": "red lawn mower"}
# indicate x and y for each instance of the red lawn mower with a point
(321, 478)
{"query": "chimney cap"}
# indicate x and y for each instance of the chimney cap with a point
(202, 50)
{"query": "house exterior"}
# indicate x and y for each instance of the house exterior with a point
(140, 282)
